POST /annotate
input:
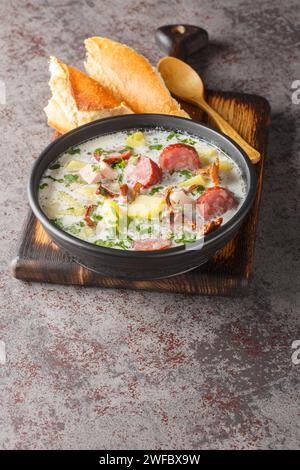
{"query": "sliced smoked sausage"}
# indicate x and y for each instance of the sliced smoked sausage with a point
(215, 201)
(149, 244)
(144, 171)
(179, 156)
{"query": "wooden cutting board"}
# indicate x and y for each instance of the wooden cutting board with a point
(228, 273)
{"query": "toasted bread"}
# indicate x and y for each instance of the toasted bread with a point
(78, 99)
(129, 77)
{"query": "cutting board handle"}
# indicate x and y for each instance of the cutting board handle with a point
(181, 40)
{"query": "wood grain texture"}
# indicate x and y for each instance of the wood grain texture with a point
(228, 273)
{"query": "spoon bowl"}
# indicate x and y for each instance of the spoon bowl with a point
(184, 82)
(181, 79)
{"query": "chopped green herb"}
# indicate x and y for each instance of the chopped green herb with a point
(187, 141)
(82, 224)
(186, 173)
(146, 230)
(199, 189)
(96, 217)
(186, 238)
(156, 189)
(171, 135)
(95, 167)
(119, 164)
(58, 222)
(170, 235)
(54, 179)
(55, 166)
(134, 159)
(42, 186)
(155, 147)
(74, 229)
(69, 179)
(113, 243)
(72, 151)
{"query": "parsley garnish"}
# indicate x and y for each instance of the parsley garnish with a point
(119, 164)
(186, 238)
(171, 135)
(98, 151)
(134, 159)
(69, 179)
(58, 222)
(97, 217)
(186, 173)
(42, 186)
(155, 189)
(113, 244)
(54, 179)
(55, 166)
(200, 189)
(72, 151)
(95, 167)
(155, 147)
(187, 141)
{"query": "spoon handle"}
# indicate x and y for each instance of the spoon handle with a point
(227, 129)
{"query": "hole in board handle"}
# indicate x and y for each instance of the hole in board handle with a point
(178, 29)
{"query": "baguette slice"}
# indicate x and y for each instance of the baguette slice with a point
(78, 99)
(130, 77)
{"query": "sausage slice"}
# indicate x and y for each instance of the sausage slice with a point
(145, 171)
(215, 201)
(179, 156)
(149, 244)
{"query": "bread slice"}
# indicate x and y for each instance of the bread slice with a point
(129, 76)
(78, 99)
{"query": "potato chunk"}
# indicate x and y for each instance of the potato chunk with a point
(137, 139)
(198, 179)
(146, 207)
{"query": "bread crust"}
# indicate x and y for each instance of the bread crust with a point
(77, 98)
(88, 94)
(130, 77)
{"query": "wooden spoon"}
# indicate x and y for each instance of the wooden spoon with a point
(185, 83)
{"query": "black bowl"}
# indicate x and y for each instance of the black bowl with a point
(142, 265)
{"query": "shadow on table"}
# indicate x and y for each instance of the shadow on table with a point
(200, 60)
(277, 247)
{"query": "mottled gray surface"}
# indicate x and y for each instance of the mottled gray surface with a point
(92, 368)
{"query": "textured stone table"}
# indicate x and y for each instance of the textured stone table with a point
(91, 368)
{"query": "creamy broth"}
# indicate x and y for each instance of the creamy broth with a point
(93, 196)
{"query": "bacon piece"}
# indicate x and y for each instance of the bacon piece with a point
(212, 225)
(124, 189)
(117, 156)
(204, 171)
(137, 188)
(97, 155)
(214, 172)
(104, 191)
(89, 209)
(169, 190)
